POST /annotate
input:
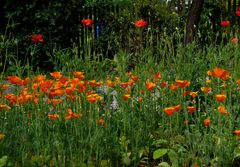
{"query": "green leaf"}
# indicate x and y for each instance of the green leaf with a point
(159, 153)
(160, 142)
(3, 161)
(173, 157)
(163, 164)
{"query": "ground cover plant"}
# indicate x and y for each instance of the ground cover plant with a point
(146, 99)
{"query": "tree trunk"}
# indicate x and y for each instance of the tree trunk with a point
(193, 20)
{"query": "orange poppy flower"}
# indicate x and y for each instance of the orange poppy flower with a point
(55, 102)
(99, 83)
(186, 93)
(110, 83)
(70, 90)
(53, 117)
(4, 106)
(237, 132)
(93, 98)
(169, 111)
(92, 83)
(221, 98)
(126, 97)
(173, 86)
(134, 78)
(79, 75)
(220, 73)
(39, 78)
(37, 38)
(4, 87)
(206, 89)
(12, 98)
(177, 108)
(150, 86)
(124, 85)
(207, 122)
(182, 83)
(157, 75)
(222, 110)
(191, 109)
(163, 84)
(225, 23)
(14, 80)
(70, 114)
(194, 94)
(56, 75)
(102, 122)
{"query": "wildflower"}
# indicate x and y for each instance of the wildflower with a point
(79, 75)
(235, 40)
(102, 122)
(207, 122)
(237, 132)
(37, 38)
(2, 136)
(173, 86)
(182, 83)
(4, 106)
(4, 87)
(55, 102)
(157, 75)
(237, 13)
(126, 97)
(163, 84)
(134, 78)
(14, 80)
(150, 86)
(193, 94)
(140, 99)
(93, 98)
(225, 23)
(206, 89)
(53, 117)
(71, 114)
(110, 83)
(222, 110)
(169, 111)
(219, 72)
(221, 98)
(177, 108)
(56, 75)
(191, 109)
(92, 83)
(87, 22)
(124, 85)
(141, 23)
(12, 98)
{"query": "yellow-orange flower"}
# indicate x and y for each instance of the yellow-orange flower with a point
(150, 86)
(4, 106)
(124, 85)
(182, 83)
(191, 109)
(173, 86)
(193, 94)
(206, 89)
(207, 122)
(4, 87)
(70, 114)
(55, 102)
(110, 83)
(169, 111)
(177, 108)
(56, 75)
(126, 97)
(92, 83)
(237, 132)
(222, 110)
(53, 116)
(93, 98)
(102, 122)
(221, 98)
(220, 73)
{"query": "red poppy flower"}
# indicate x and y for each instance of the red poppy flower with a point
(237, 13)
(37, 38)
(87, 22)
(225, 23)
(141, 23)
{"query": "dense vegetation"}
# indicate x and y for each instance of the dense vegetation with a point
(110, 83)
